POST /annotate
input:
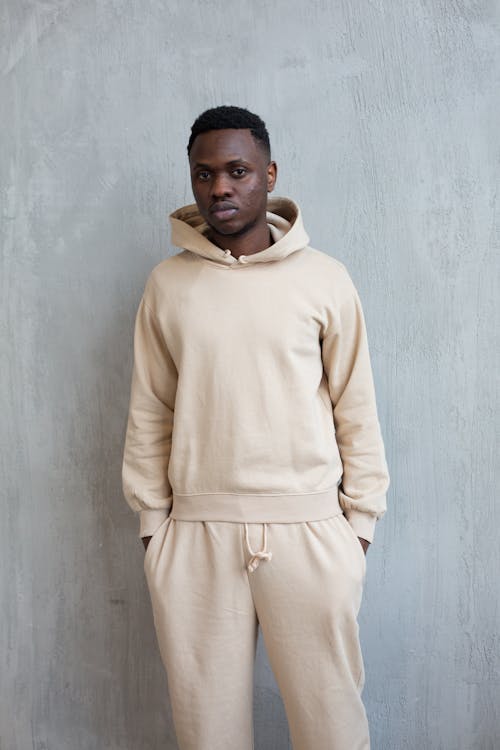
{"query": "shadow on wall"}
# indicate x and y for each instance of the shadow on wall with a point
(141, 711)
(99, 663)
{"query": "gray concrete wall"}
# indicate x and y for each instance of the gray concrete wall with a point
(384, 120)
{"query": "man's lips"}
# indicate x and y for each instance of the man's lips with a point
(223, 210)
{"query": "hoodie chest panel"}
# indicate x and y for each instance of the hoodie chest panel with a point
(253, 317)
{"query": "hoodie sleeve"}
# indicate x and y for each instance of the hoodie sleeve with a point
(150, 422)
(346, 360)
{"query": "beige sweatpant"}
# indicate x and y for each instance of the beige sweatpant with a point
(213, 583)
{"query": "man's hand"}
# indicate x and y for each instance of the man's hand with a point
(364, 543)
(145, 541)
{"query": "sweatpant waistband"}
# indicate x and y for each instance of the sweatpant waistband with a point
(235, 508)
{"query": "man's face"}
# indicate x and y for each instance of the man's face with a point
(231, 177)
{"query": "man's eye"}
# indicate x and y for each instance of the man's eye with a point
(203, 176)
(239, 171)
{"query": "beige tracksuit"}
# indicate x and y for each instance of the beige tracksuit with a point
(255, 459)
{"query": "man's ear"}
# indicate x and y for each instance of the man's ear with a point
(272, 174)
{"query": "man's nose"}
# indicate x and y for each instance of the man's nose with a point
(221, 186)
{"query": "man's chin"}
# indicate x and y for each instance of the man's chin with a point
(228, 229)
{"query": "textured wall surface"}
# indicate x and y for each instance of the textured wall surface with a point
(384, 118)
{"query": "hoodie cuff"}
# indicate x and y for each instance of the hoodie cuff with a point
(151, 520)
(362, 523)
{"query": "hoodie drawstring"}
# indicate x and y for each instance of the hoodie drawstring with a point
(256, 557)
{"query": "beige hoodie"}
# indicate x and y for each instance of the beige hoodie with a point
(252, 393)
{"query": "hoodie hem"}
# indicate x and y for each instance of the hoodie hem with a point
(236, 508)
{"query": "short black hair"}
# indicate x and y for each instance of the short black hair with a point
(228, 117)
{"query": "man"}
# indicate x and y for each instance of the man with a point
(253, 455)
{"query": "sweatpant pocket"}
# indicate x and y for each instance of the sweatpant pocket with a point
(357, 544)
(160, 531)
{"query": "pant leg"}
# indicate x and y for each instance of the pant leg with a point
(307, 599)
(206, 627)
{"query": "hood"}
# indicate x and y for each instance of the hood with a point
(283, 218)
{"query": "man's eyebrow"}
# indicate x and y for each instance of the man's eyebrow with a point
(202, 165)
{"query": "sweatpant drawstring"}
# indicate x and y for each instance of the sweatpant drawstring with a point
(256, 557)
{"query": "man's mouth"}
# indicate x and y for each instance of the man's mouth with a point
(223, 210)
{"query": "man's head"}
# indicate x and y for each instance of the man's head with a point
(231, 170)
